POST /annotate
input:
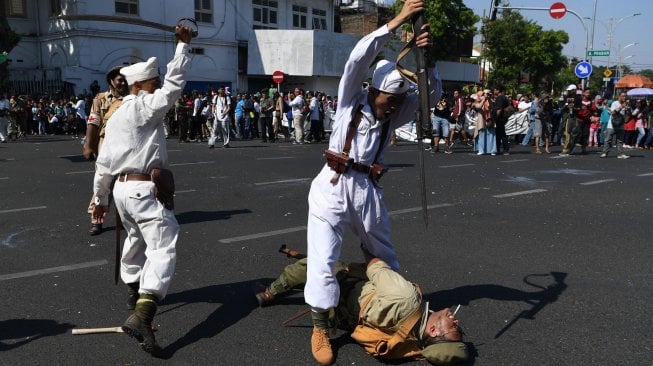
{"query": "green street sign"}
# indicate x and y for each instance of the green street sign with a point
(3, 57)
(598, 53)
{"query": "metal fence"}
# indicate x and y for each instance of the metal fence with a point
(38, 82)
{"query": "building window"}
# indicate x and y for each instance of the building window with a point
(204, 11)
(55, 7)
(15, 8)
(319, 19)
(264, 14)
(299, 15)
(127, 7)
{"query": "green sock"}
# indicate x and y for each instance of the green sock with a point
(146, 307)
(320, 320)
(132, 288)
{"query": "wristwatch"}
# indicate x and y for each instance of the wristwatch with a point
(96, 201)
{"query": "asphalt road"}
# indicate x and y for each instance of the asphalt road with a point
(549, 257)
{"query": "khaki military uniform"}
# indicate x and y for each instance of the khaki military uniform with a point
(104, 105)
(395, 298)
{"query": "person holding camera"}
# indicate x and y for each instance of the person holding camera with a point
(614, 134)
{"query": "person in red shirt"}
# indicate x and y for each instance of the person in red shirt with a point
(458, 115)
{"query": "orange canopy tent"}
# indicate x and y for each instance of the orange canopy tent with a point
(634, 81)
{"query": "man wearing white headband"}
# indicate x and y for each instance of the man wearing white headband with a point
(135, 152)
(346, 191)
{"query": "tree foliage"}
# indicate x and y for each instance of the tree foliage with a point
(8, 40)
(450, 22)
(516, 47)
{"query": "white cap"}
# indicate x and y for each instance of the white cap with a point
(572, 87)
(141, 71)
(387, 79)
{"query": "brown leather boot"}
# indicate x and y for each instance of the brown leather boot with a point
(321, 346)
(265, 297)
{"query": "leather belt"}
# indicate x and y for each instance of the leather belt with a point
(361, 168)
(123, 177)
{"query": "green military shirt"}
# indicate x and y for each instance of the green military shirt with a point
(395, 298)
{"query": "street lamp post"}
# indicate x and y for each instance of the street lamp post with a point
(612, 24)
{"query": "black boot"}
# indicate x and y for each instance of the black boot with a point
(95, 229)
(132, 293)
(139, 324)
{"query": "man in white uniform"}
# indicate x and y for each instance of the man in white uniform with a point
(353, 197)
(221, 118)
(134, 145)
(5, 107)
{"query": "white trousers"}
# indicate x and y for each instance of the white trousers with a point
(4, 122)
(220, 128)
(353, 200)
(149, 253)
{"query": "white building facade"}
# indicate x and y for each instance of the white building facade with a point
(240, 43)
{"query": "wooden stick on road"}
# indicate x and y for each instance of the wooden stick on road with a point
(97, 330)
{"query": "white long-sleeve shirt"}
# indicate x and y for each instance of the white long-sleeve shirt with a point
(135, 140)
(351, 95)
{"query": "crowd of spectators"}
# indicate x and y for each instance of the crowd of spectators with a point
(45, 116)
(475, 120)
(297, 116)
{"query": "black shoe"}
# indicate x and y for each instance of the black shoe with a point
(265, 297)
(131, 301)
(135, 327)
(95, 229)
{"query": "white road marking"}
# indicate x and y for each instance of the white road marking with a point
(596, 182)
(277, 158)
(514, 161)
(37, 272)
(23, 209)
(302, 228)
(506, 195)
(185, 191)
(282, 181)
(263, 235)
(199, 162)
(645, 175)
(81, 172)
(4, 178)
(415, 209)
(174, 150)
(456, 166)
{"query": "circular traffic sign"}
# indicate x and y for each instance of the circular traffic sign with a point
(557, 10)
(277, 77)
(583, 69)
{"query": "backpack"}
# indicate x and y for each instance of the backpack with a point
(393, 346)
(305, 109)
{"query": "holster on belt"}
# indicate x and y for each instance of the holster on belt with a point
(377, 171)
(164, 186)
(338, 162)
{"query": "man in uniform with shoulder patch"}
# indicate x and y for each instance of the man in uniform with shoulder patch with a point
(104, 104)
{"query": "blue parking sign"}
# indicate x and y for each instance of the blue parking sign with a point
(583, 69)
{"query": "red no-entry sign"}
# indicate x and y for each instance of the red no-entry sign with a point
(277, 77)
(557, 10)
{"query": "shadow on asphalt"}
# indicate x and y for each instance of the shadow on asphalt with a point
(538, 299)
(237, 301)
(76, 159)
(24, 331)
(191, 217)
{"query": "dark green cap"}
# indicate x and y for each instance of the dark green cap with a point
(446, 353)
